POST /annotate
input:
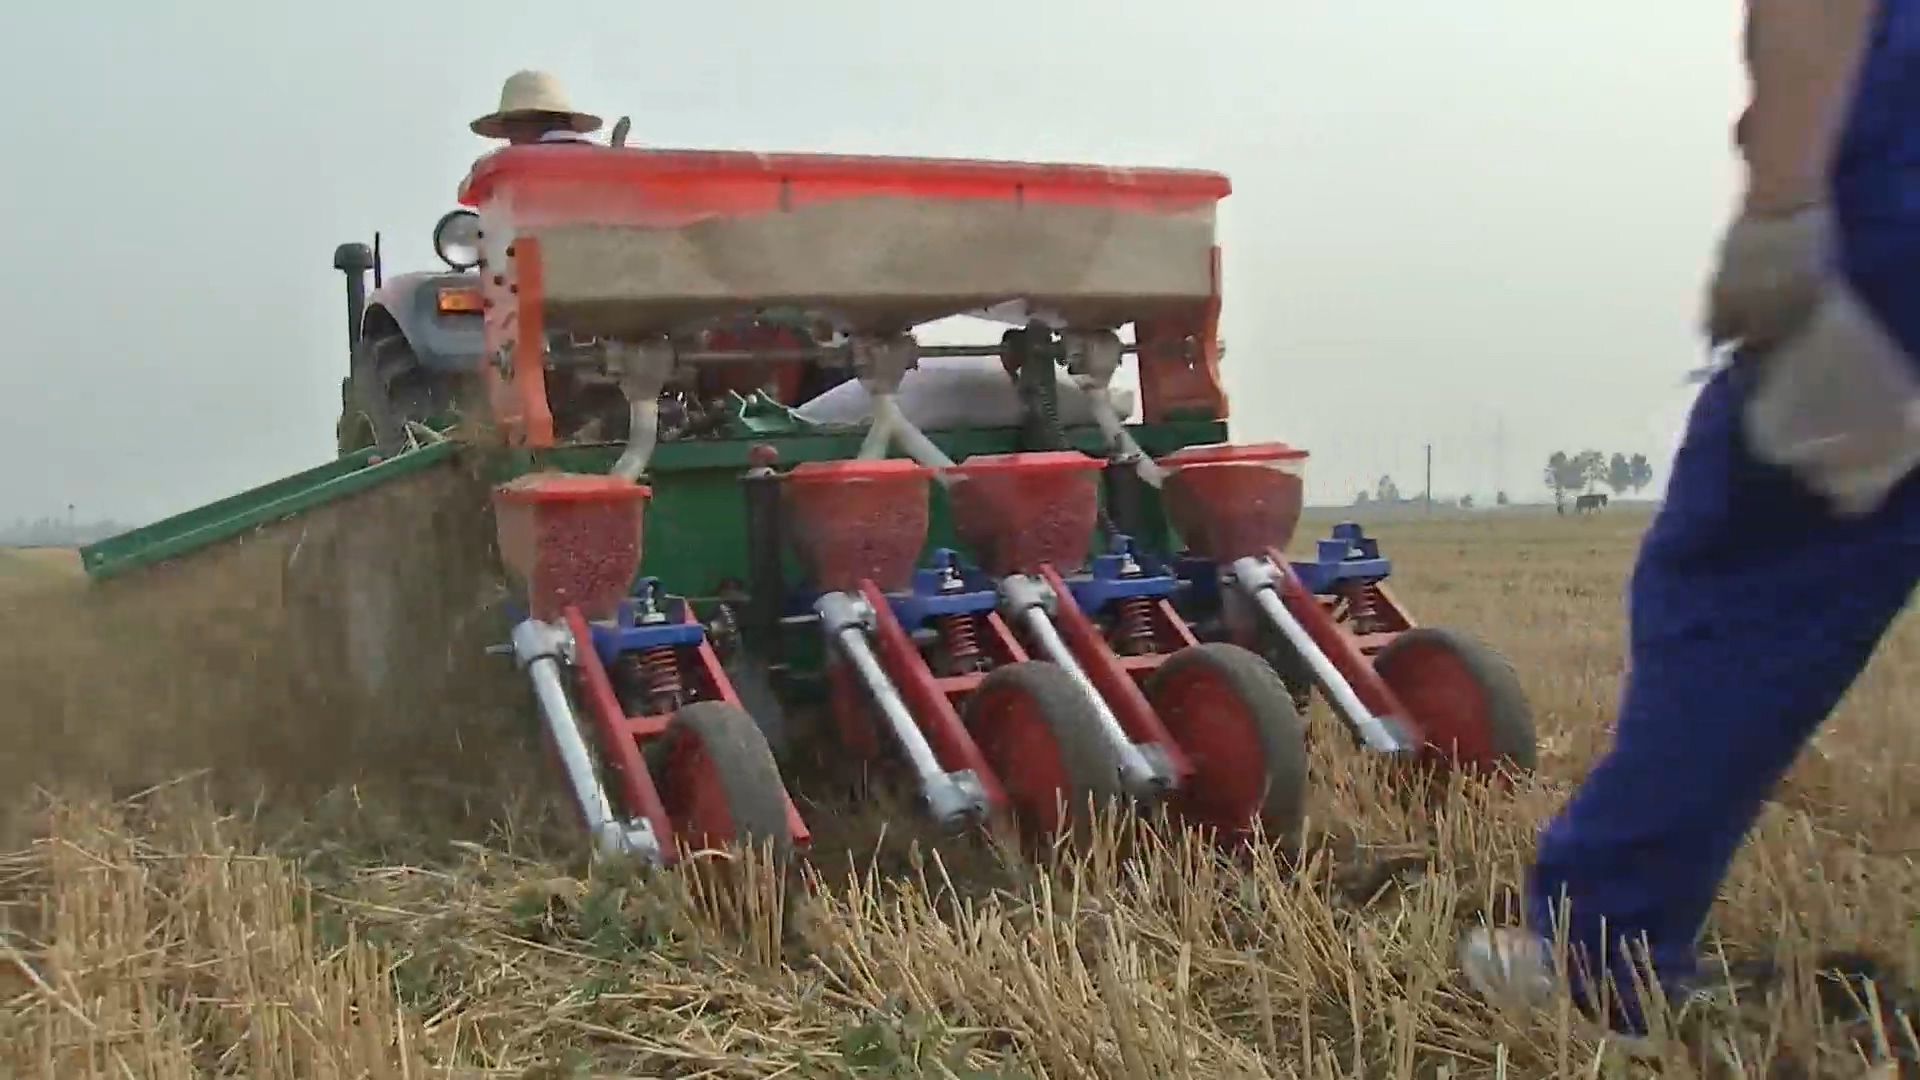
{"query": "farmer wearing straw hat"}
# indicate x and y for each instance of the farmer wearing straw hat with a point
(534, 109)
(1790, 535)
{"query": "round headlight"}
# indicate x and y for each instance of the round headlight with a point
(456, 239)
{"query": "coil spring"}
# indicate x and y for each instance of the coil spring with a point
(1133, 626)
(962, 640)
(1361, 609)
(655, 672)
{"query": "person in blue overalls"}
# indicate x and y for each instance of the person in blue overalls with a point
(1790, 535)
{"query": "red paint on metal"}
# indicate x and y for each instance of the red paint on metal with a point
(1347, 658)
(1019, 512)
(1227, 787)
(1110, 678)
(1179, 360)
(1014, 733)
(1447, 703)
(1232, 502)
(858, 520)
(930, 700)
(662, 186)
(515, 327)
(571, 540)
(634, 793)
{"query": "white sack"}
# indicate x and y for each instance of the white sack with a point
(945, 393)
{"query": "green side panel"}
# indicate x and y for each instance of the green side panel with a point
(235, 515)
(696, 524)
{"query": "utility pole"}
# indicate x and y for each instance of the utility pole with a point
(1500, 453)
(1429, 477)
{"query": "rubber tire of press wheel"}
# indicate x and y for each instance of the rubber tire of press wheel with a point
(1267, 705)
(1292, 669)
(1092, 772)
(388, 408)
(1506, 713)
(738, 755)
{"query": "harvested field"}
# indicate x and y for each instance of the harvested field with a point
(37, 567)
(314, 908)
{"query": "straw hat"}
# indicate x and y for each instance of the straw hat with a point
(530, 94)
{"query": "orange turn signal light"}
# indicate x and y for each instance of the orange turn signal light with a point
(459, 301)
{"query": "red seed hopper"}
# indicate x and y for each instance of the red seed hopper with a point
(1019, 512)
(573, 543)
(571, 540)
(1229, 501)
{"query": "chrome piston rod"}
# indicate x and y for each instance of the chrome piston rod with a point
(1025, 598)
(951, 798)
(539, 647)
(1260, 580)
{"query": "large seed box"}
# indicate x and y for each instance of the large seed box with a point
(636, 241)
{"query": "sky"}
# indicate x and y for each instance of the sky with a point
(1482, 225)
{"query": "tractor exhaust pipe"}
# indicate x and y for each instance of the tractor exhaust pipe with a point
(539, 649)
(953, 799)
(1259, 579)
(354, 260)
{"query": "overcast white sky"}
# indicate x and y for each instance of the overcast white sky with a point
(1448, 220)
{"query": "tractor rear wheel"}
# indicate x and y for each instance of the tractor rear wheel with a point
(1463, 698)
(387, 390)
(1043, 739)
(718, 781)
(1234, 719)
(352, 433)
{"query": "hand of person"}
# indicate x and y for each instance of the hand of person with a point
(1838, 403)
(1771, 271)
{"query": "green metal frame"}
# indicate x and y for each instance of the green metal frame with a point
(204, 526)
(696, 525)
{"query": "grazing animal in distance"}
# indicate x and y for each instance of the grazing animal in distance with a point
(1590, 503)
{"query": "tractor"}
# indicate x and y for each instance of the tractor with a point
(1029, 621)
(416, 340)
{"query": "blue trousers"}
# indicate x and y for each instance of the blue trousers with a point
(1751, 610)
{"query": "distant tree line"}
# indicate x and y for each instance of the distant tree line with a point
(1387, 493)
(57, 532)
(1584, 471)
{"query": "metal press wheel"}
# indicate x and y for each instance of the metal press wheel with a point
(1234, 719)
(718, 781)
(1042, 738)
(1463, 698)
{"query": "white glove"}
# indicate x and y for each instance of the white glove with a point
(1838, 403)
(1769, 276)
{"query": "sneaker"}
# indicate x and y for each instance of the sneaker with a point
(1508, 967)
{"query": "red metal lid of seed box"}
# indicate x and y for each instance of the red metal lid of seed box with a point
(1045, 461)
(559, 184)
(570, 487)
(1219, 453)
(838, 472)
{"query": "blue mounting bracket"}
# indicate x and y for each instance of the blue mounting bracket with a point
(1119, 575)
(943, 588)
(1347, 555)
(648, 619)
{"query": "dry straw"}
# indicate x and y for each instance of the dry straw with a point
(423, 913)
